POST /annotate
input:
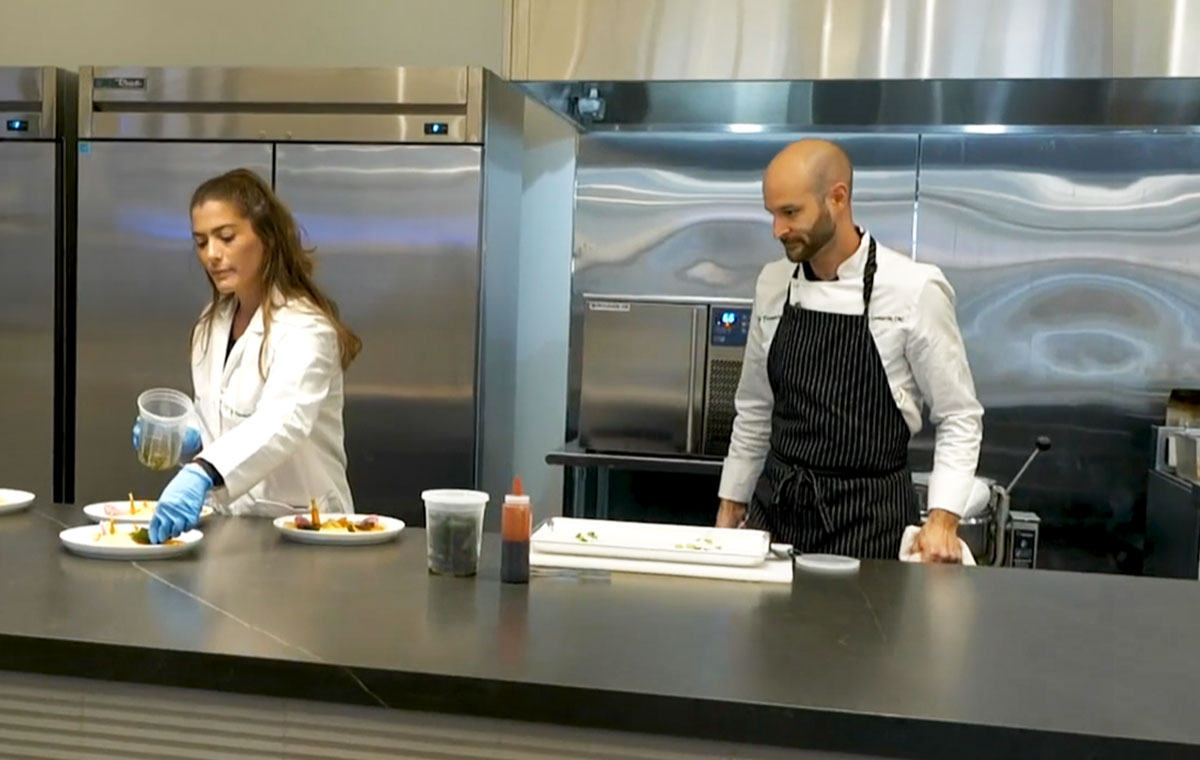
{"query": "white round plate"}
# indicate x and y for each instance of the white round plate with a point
(829, 564)
(391, 529)
(12, 500)
(118, 512)
(82, 541)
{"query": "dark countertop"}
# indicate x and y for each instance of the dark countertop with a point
(572, 455)
(898, 661)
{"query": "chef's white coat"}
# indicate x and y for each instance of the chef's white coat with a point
(277, 442)
(912, 321)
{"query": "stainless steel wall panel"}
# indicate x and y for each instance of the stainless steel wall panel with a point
(1075, 268)
(682, 214)
(814, 39)
(140, 290)
(27, 262)
(499, 297)
(1156, 38)
(851, 39)
(396, 233)
(544, 307)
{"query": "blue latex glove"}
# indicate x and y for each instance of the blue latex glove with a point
(180, 504)
(191, 441)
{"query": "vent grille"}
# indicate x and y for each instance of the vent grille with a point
(723, 377)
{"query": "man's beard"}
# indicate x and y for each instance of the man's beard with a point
(803, 248)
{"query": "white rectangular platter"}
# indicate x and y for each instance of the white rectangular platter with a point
(652, 541)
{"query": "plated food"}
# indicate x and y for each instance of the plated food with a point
(12, 500)
(315, 528)
(110, 536)
(129, 511)
(116, 540)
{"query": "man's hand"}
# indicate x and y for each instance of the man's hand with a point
(938, 539)
(731, 514)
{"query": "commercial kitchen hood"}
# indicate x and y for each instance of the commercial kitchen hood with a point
(784, 65)
(972, 105)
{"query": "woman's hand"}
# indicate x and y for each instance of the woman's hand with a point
(180, 504)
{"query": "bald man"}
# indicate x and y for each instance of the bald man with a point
(848, 339)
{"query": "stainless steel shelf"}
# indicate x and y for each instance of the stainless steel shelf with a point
(594, 465)
(572, 455)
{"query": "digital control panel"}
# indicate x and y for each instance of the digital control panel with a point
(728, 327)
(1022, 539)
(1024, 548)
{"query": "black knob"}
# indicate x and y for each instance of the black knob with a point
(1043, 443)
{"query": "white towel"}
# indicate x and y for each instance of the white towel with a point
(908, 555)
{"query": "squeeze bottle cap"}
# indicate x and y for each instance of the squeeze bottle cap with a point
(518, 493)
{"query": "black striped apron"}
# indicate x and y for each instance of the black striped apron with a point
(836, 479)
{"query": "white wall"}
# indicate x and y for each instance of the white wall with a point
(73, 33)
(544, 306)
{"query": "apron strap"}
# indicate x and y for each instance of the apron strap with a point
(869, 276)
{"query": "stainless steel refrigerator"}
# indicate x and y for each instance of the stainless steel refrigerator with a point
(36, 110)
(403, 180)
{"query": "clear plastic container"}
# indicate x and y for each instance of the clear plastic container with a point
(454, 530)
(164, 414)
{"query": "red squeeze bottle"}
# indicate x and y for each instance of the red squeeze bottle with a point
(516, 523)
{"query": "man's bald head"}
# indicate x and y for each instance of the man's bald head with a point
(819, 163)
(806, 187)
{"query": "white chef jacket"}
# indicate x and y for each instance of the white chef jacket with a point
(279, 442)
(912, 321)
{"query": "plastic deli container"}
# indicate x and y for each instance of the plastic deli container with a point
(164, 415)
(454, 530)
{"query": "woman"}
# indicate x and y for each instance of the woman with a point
(268, 355)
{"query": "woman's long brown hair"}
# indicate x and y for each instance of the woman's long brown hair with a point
(287, 265)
